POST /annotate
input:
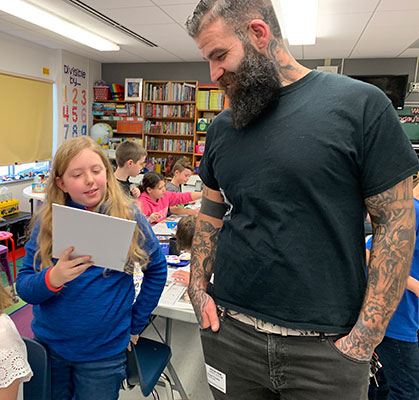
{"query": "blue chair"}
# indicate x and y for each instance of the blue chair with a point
(145, 366)
(39, 387)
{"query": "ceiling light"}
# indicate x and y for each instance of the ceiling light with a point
(46, 20)
(298, 20)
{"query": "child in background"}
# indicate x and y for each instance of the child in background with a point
(184, 236)
(182, 171)
(14, 366)
(155, 201)
(85, 314)
(129, 158)
(399, 352)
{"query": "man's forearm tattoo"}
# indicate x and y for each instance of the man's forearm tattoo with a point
(393, 219)
(202, 262)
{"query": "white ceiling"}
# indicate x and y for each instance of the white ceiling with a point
(346, 29)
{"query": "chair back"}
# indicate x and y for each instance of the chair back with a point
(146, 362)
(39, 387)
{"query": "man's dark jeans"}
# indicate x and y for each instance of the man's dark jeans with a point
(268, 366)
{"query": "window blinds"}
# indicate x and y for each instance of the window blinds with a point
(26, 120)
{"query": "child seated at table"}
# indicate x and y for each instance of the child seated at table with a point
(129, 157)
(14, 364)
(184, 236)
(155, 201)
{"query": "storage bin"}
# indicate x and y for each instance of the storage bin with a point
(101, 93)
(129, 126)
(9, 207)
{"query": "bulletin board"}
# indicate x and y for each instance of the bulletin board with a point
(409, 117)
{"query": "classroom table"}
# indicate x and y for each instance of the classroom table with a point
(170, 313)
(39, 197)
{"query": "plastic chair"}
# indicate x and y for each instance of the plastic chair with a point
(5, 266)
(39, 387)
(4, 235)
(145, 366)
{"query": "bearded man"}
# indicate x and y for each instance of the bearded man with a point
(289, 171)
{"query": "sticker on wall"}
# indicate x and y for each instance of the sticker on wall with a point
(45, 71)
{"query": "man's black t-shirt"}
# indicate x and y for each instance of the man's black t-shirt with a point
(291, 250)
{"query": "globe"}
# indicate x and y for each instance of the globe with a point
(101, 133)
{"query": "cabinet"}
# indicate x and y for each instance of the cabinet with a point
(210, 102)
(169, 118)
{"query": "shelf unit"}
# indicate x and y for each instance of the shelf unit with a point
(128, 123)
(165, 121)
(169, 117)
(207, 107)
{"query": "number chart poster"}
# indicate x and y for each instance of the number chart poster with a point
(74, 100)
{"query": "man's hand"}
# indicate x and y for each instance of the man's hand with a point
(205, 309)
(355, 348)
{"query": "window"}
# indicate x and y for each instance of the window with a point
(10, 173)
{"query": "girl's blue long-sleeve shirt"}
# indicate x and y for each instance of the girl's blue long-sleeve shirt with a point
(92, 316)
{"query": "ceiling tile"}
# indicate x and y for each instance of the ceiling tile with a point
(140, 15)
(179, 12)
(111, 4)
(391, 5)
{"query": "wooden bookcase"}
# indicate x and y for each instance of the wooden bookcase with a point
(211, 100)
(169, 118)
(165, 121)
(127, 124)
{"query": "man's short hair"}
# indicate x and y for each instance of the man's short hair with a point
(235, 13)
(181, 165)
(184, 232)
(129, 151)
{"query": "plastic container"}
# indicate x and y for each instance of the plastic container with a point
(9, 207)
(101, 93)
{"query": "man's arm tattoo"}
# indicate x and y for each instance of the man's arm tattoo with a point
(204, 247)
(393, 220)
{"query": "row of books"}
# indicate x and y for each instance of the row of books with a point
(210, 99)
(178, 92)
(159, 144)
(180, 128)
(169, 111)
(127, 109)
(183, 91)
(115, 141)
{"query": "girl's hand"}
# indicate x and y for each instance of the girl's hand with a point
(154, 217)
(181, 276)
(136, 192)
(66, 269)
(134, 340)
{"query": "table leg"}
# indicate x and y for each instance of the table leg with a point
(178, 385)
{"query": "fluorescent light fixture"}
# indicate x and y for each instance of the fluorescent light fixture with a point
(299, 20)
(46, 20)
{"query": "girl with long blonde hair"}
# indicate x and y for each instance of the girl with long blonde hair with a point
(83, 313)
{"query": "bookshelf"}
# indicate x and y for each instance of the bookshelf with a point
(125, 118)
(210, 101)
(169, 118)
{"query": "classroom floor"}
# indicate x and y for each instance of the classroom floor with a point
(187, 359)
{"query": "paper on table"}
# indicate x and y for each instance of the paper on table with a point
(106, 239)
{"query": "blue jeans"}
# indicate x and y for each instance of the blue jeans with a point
(91, 380)
(261, 366)
(400, 362)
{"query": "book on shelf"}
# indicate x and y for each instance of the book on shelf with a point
(216, 100)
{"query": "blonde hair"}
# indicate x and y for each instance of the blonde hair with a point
(5, 298)
(114, 203)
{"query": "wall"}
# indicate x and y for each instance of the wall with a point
(20, 57)
(116, 73)
(196, 71)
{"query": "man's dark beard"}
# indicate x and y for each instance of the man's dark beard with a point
(255, 86)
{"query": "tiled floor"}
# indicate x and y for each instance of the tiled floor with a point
(187, 359)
